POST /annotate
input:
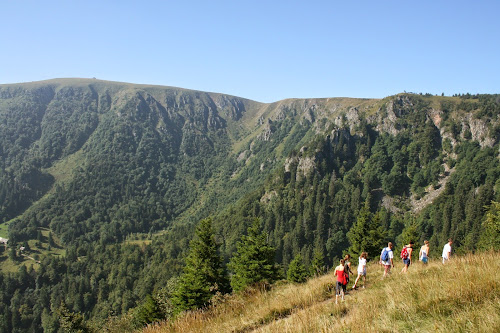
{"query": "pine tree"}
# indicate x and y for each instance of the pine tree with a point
(297, 271)
(51, 240)
(377, 235)
(147, 312)
(253, 261)
(366, 235)
(490, 236)
(204, 274)
(318, 263)
(71, 321)
(410, 232)
(358, 234)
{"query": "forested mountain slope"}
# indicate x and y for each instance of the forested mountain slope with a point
(87, 166)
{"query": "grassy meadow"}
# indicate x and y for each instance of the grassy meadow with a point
(462, 296)
(4, 230)
(36, 253)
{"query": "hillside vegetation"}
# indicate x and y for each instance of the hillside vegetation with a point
(463, 296)
(103, 184)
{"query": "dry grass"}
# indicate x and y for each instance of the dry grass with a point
(463, 296)
(248, 311)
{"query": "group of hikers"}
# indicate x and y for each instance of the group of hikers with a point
(343, 270)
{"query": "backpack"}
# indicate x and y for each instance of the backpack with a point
(385, 255)
(404, 253)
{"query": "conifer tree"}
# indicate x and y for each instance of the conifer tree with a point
(377, 236)
(296, 270)
(358, 233)
(318, 263)
(147, 312)
(253, 261)
(409, 233)
(490, 237)
(366, 235)
(71, 321)
(204, 274)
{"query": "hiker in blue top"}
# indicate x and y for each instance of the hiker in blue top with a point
(386, 259)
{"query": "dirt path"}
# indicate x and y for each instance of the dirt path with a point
(264, 327)
(27, 256)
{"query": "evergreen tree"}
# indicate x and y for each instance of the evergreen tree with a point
(410, 233)
(253, 261)
(377, 236)
(366, 235)
(12, 253)
(51, 240)
(318, 263)
(490, 237)
(71, 322)
(358, 234)
(204, 274)
(296, 270)
(147, 312)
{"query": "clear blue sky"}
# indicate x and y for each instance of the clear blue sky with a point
(261, 50)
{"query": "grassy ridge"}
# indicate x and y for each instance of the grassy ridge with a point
(463, 296)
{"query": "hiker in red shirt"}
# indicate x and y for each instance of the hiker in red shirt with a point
(341, 281)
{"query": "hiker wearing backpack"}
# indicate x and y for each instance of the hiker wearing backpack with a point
(347, 267)
(386, 259)
(406, 256)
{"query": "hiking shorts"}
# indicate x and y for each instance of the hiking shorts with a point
(339, 287)
(407, 261)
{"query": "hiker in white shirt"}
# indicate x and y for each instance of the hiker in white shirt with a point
(386, 259)
(447, 251)
(361, 270)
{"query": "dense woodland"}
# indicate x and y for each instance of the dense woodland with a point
(118, 177)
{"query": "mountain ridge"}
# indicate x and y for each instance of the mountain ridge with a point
(116, 176)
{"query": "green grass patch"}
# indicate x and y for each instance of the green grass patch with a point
(139, 242)
(37, 251)
(4, 230)
(62, 171)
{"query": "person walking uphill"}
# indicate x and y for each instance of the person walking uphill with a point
(361, 270)
(406, 256)
(386, 259)
(341, 281)
(424, 252)
(447, 251)
(347, 267)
